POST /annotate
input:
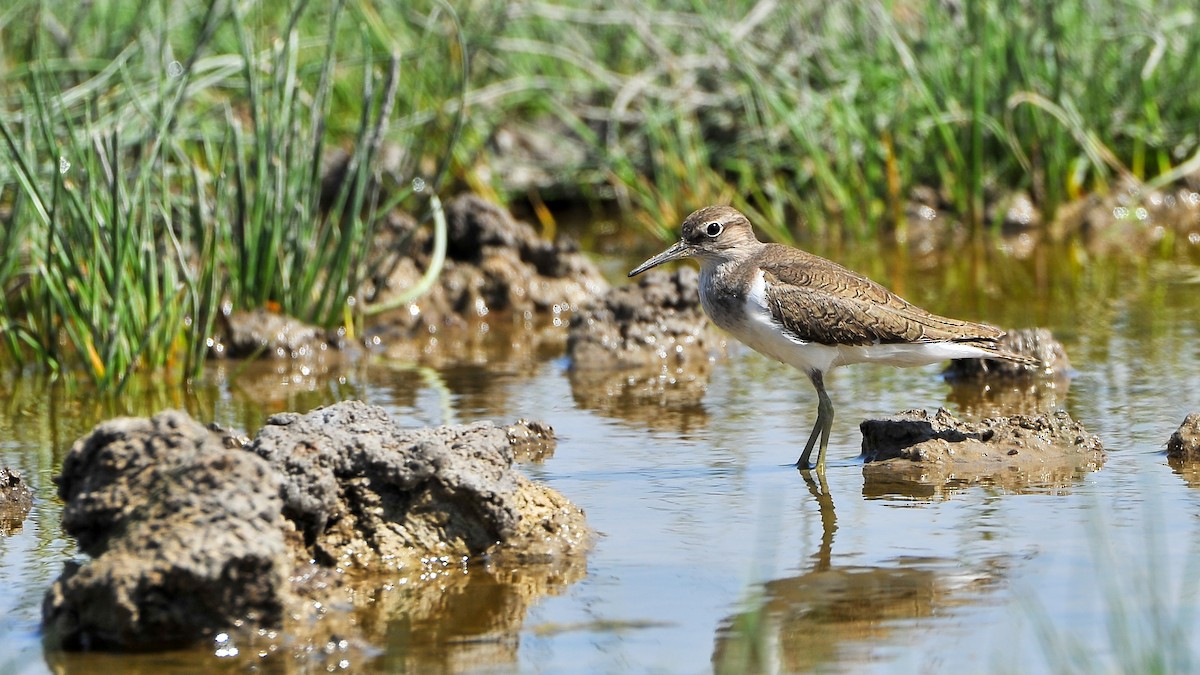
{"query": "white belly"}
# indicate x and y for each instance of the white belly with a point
(759, 331)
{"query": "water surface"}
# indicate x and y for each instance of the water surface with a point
(712, 549)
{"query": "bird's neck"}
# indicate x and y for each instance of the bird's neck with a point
(728, 273)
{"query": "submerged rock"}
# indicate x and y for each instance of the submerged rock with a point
(16, 499)
(1037, 343)
(644, 349)
(915, 449)
(261, 333)
(192, 531)
(184, 535)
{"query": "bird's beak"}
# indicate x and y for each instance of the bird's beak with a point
(678, 250)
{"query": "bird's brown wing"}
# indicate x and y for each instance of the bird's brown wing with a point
(817, 300)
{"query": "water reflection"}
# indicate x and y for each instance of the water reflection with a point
(841, 613)
(977, 399)
(662, 402)
(446, 620)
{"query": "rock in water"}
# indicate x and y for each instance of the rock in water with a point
(1184, 444)
(1038, 343)
(16, 499)
(916, 449)
(191, 531)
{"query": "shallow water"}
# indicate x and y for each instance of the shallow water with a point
(714, 551)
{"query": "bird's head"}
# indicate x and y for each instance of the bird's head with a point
(714, 234)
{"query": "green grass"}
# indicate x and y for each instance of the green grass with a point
(196, 131)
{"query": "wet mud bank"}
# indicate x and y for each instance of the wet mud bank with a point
(191, 531)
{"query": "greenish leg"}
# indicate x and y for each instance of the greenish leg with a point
(821, 428)
(802, 463)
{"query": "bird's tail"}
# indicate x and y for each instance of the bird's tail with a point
(997, 352)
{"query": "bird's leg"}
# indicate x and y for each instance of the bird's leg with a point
(821, 428)
(802, 463)
(824, 412)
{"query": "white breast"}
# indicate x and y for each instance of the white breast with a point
(761, 333)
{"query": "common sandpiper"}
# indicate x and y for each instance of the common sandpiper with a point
(812, 313)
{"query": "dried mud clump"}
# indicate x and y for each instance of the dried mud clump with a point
(915, 448)
(360, 489)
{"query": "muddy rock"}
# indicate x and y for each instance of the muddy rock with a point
(1038, 343)
(531, 440)
(1184, 444)
(929, 224)
(985, 388)
(497, 270)
(261, 333)
(1183, 450)
(16, 499)
(361, 490)
(655, 324)
(1015, 212)
(917, 449)
(183, 532)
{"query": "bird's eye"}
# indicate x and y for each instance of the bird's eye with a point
(713, 229)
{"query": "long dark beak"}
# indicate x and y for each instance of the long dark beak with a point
(678, 250)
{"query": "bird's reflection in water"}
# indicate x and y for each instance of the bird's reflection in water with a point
(842, 613)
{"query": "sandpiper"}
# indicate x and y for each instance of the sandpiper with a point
(812, 313)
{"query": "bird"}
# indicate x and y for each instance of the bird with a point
(812, 313)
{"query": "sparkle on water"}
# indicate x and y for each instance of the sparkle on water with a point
(713, 550)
